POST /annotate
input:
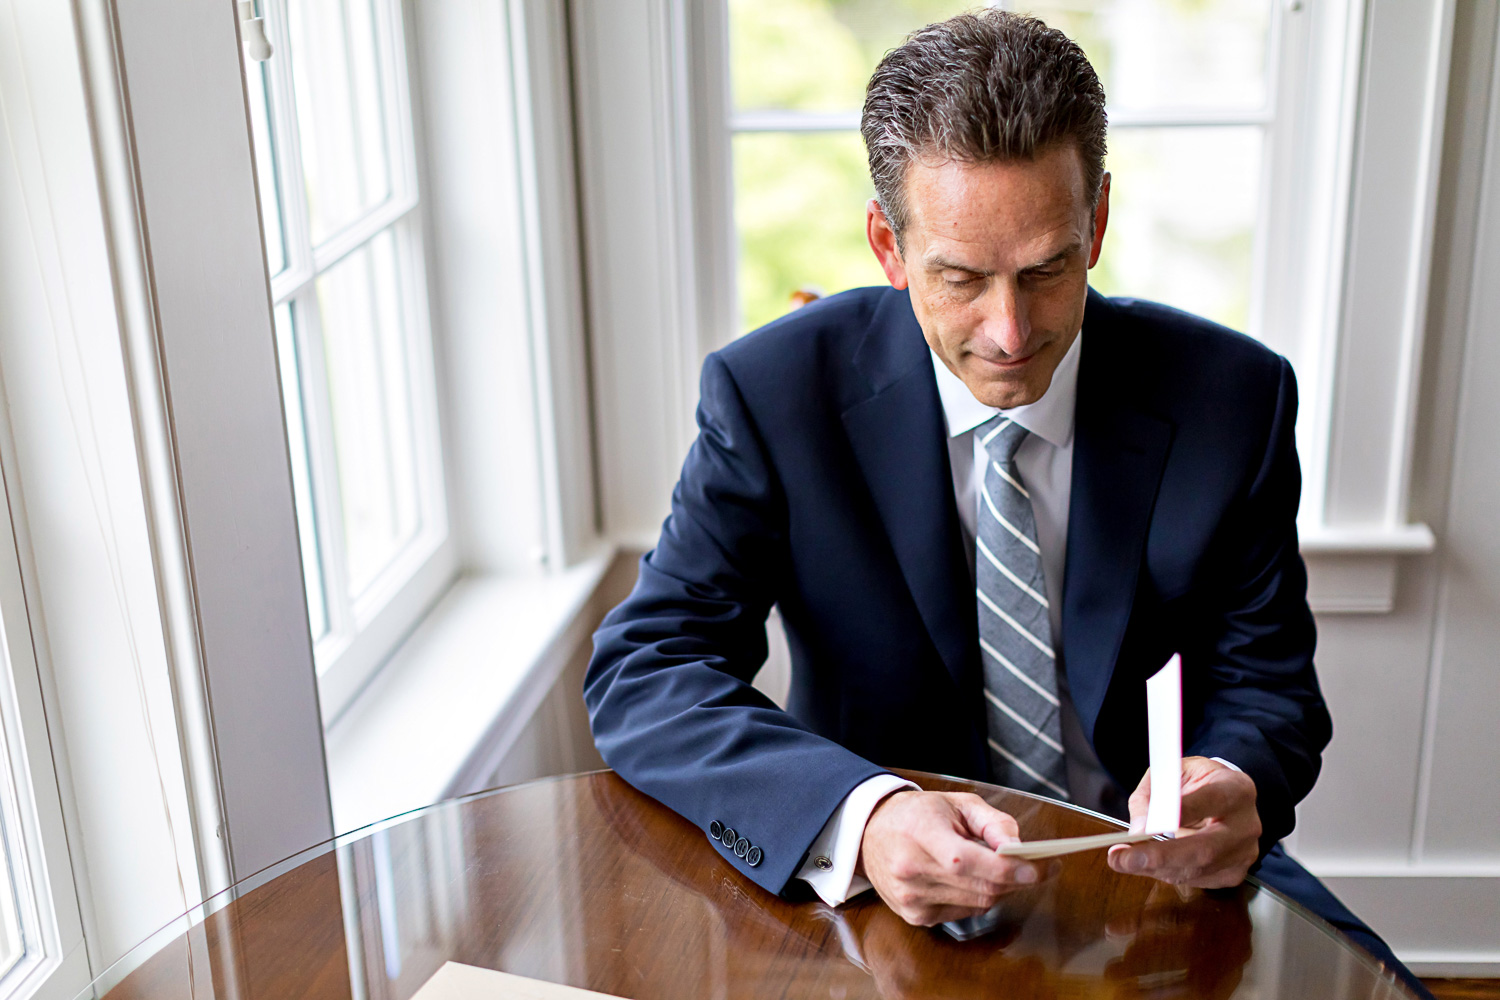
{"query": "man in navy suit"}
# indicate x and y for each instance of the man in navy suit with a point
(988, 502)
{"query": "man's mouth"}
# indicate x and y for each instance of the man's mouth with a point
(1007, 364)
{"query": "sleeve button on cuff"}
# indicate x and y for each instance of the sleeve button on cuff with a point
(822, 863)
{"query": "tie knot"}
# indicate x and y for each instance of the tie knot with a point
(1001, 436)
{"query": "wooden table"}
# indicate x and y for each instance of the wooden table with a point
(584, 881)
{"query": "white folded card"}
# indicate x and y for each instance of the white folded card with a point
(455, 981)
(1164, 743)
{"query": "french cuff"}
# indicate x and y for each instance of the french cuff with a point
(829, 868)
(1229, 764)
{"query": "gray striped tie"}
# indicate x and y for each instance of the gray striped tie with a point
(1015, 633)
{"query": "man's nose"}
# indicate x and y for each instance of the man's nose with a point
(1005, 319)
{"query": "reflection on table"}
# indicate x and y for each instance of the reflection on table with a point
(586, 882)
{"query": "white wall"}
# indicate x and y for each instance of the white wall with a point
(1405, 821)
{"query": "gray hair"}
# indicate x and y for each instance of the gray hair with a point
(980, 88)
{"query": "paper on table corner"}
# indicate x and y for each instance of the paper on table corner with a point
(1164, 741)
(456, 981)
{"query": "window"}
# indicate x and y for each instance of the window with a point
(40, 933)
(336, 166)
(1191, 94)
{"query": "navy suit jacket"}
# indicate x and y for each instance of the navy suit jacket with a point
(820, 482)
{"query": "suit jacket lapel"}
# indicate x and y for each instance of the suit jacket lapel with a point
(899, 437)
(1119, 452)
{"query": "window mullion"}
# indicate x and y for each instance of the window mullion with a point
(417, 345)
(295, 224)
(290, 283)
(359, 232)
(399, 128)
(790, 120)
(313, 384)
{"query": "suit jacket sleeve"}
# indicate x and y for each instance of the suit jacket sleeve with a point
(1263, 708)
(668, 689)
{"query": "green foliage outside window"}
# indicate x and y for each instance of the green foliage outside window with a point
(1184, 199)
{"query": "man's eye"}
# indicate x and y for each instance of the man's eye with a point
(962, 282)
(1045, 273)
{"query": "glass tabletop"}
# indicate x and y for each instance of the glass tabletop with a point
(583, 881)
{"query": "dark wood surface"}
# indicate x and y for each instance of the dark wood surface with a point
(1464, 989)
(584, 881)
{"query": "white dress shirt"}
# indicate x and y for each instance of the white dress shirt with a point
(1045, 461)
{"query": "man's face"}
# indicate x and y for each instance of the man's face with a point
(997, 257)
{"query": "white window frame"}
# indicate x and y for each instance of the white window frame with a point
(1361, 95)
(174, 480)
(362, 629)
(32, 834)
(1287, 313)
(1277, 117)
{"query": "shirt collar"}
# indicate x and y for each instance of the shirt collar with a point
(1049, 418)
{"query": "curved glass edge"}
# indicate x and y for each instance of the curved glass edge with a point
(1377, 968)
(111, 975)
(179, 925)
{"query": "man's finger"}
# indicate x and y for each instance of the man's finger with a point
(1140, 799)
(1186, 858)
(987, 823)
(971, 866)
(1214, 800)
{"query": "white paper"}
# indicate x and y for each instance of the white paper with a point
(1034, 850)
(456, 981)
(1164, 745)
(1164, 740)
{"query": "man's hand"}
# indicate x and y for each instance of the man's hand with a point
(1220, 835)
(931, 855)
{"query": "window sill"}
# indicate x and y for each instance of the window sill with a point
(466, 681)
(1354, 570)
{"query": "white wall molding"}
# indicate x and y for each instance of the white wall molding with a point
(542, 76)
(1357, 570)
(1442, 923)
(1372, 380)
(469, 167)
(650, 324)
(1405, 821)
(1352, 584)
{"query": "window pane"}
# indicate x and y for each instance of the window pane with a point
(12, 942)
(296, 435)
(799, 207)
(364, 346)
(265, 166)
(817, 55)
(1169, 54)
(1183, 204)
(340, 110)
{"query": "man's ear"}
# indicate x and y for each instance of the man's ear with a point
(1101, 220)
(883, 242)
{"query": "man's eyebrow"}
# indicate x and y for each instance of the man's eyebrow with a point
(1062, 254)
(939, 262)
